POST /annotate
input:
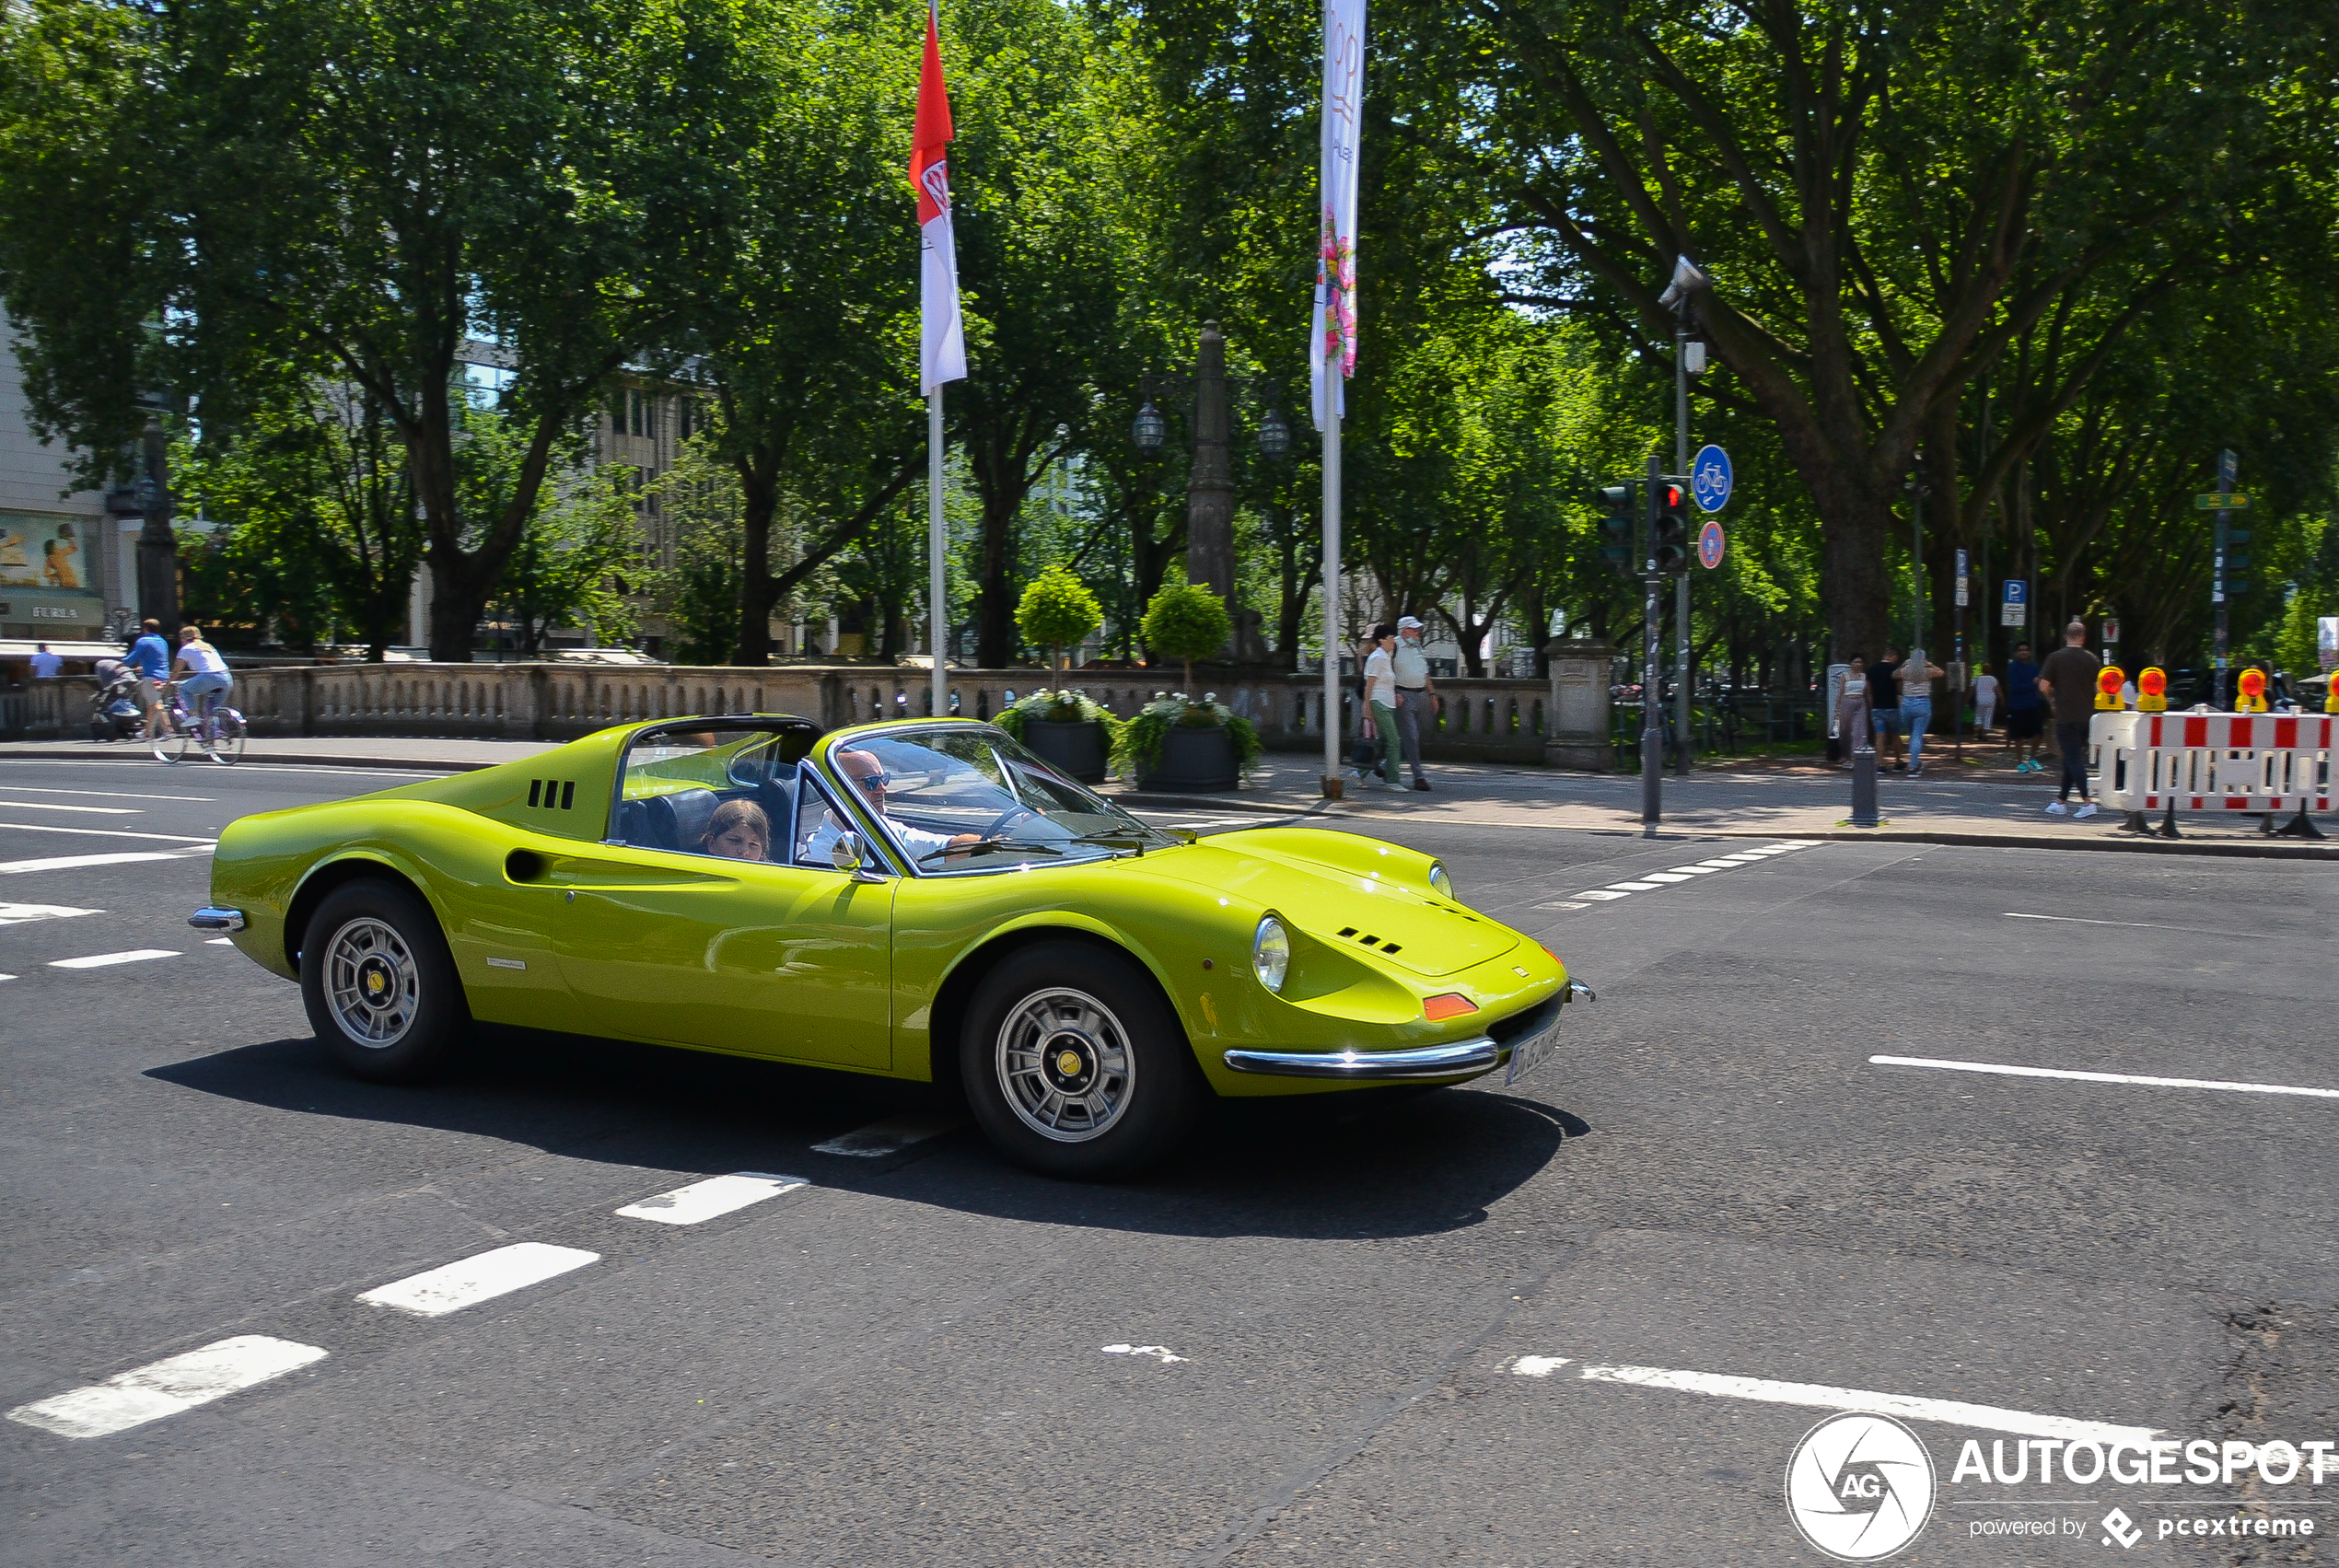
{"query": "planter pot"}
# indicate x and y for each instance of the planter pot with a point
(1194, 759)
(1074, 747)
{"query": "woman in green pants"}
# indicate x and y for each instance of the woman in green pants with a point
(1380, 691)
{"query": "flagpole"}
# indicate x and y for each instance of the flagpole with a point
(938, 536)
(1334, 726)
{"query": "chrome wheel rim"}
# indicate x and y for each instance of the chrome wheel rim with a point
(1065, 1065)
(371, 982)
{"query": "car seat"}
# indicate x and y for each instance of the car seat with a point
(678, 821)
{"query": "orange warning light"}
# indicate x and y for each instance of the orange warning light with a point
(2108, 681)
(2152, 690)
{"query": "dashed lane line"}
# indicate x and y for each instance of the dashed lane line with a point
(107, 834)
(1653, 881)
(453, 1286)
(91, 810)
(169, 1387)
(2005, 1070)
(107, 960)
(890, 1137)
(1820, 1396)
(20, 914)
(75, 862)
(102, 795)
(711, 1199)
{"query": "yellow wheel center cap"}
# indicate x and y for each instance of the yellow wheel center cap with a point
(374, 982)
(1068, 1064)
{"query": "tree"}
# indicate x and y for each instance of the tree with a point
(1057, 611)
(376, 188)
(1187, 622)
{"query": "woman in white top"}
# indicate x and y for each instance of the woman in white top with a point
(1986, 698)
(1916, 676)
(207, 680)
(1380, 701)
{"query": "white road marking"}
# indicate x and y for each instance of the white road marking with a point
(895, 1133)
(1159, 1352)
(1699, 870)
(1600, 895)
(2138, 925)
(103, 961)
(220, 942)
(105, 794)
(167, 1388)
(7, 977)
(92, 810)
(1820, 1396)
(75, 862)
(1634, 887)
(18, 914)
(453, 1286)
(107, 834)
(2004, 1070)
(1564, 904)
(1663, 876)
(711, 1199)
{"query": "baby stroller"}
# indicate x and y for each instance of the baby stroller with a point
(114, 713)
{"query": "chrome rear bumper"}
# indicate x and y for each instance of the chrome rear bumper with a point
(210, 918)
(1453, 1059)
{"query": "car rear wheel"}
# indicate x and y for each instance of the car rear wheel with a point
(1075, 1066)
(380, 985)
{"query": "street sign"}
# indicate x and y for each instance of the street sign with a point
(1709, 545)
(2014, 603)
(2111, 631)
(1709, 479)
(2228, 501)
(1961, 593)
(2327, 641)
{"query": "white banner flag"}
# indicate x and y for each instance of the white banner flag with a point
(1332, 335)
(942, 347)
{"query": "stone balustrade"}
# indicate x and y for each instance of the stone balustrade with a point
(1501, 721)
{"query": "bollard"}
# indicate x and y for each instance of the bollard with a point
(1864, 784)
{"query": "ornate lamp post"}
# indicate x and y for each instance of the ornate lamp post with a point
(158, 546)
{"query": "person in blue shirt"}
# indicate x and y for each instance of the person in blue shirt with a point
(150, 656)
(2025, 710)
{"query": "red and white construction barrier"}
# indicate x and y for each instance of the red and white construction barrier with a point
(2212, 762)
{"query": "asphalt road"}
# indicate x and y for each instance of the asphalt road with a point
(1542, 1325)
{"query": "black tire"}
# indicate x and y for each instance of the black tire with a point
(380, 984)
(1133, 1089)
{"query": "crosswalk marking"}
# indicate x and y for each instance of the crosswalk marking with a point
(167, 1388)
(1656, 881)
(18, 914)
(711, 1199)
(103, 961)
(484, 1277)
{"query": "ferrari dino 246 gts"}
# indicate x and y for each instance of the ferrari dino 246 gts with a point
(923, 899)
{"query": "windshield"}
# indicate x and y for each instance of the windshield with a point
(972, 799)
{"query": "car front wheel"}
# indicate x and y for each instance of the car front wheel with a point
(1075, 1066)
(380, 984)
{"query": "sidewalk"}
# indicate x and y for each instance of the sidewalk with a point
(1979, 802)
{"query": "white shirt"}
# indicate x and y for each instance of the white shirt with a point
(1413, 665)
(917, 841)
(45, 666)
(1985, 691)
(203, 658)
(1380, 680)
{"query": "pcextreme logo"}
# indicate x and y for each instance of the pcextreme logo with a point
(1859, 1487)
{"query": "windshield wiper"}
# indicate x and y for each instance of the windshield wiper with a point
(982, 845)
(1136, 832)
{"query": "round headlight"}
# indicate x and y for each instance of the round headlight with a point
(1439, 883)
(1271, 953)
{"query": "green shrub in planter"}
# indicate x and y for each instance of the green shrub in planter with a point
(1138, 748)
(1186, 623)
(1066, 729)
(1057, 611)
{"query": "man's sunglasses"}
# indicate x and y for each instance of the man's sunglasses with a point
(873, 781)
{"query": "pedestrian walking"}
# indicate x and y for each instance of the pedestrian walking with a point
(2025, 710)
(1985, 700)
(1852, 706)
(46, 666)
(1380, 701)
(1415, 693)
(1915, 677)
(2068, 679)
(1884, 706)
(150, 656)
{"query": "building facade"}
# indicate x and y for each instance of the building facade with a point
(63, 563)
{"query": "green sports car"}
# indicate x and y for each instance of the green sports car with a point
(924, 901)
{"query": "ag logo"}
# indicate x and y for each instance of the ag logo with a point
(1859, 1487)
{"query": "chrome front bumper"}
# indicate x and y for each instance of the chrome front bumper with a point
(1453, 1059)
(210, 918)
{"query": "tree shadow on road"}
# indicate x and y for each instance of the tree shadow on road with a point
(1363, 1164)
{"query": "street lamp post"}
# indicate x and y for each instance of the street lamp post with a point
(1679, 294)
(158, 546)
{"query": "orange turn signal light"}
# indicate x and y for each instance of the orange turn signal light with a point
(1452, 1004)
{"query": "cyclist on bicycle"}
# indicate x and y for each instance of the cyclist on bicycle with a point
(207, 682)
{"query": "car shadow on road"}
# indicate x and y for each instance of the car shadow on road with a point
(1361, 1164)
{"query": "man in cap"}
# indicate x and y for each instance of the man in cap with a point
(1415, 693)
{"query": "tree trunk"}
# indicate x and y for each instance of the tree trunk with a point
(994, 637)
(759, 589)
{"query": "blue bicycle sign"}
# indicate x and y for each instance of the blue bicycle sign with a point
(1709, 479)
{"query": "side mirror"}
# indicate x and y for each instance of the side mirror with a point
(845, 854)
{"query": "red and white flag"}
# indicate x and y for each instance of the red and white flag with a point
(1331, 324)
(942, 344)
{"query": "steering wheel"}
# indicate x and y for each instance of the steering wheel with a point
(1012, 814)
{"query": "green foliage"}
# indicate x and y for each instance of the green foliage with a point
(1186, 620)
(1138, 743)
(1057, 610)
(1066, 706)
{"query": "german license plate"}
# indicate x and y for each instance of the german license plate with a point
(1531, 1053)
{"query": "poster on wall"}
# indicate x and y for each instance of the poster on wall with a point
(47, 578)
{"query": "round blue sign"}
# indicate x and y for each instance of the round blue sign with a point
(1709, 544)
(1709, 479)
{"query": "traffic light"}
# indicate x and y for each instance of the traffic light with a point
(1670, 547)
(1616, 528)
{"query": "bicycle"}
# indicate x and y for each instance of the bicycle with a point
(219, 735)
